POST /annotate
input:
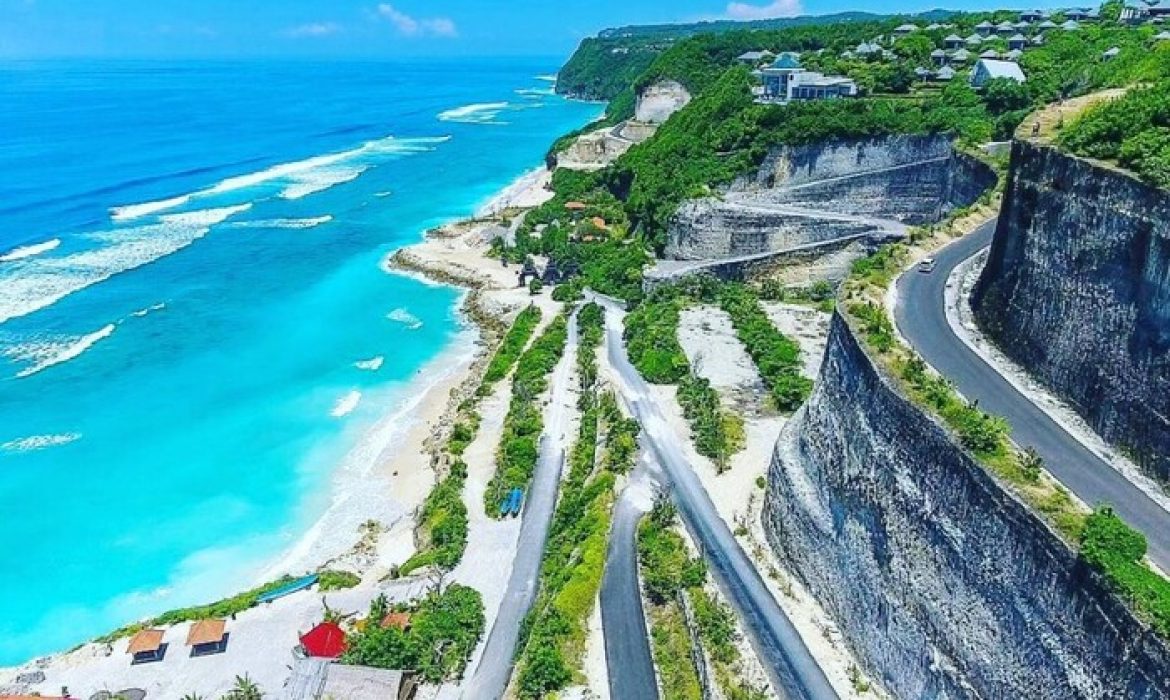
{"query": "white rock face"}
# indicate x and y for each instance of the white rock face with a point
(657, 102)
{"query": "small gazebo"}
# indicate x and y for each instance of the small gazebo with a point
(147, 646)
(325, 641)
(207, 637)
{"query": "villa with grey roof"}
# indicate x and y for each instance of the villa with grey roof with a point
(786, 80)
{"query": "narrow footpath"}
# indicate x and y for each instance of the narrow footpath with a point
(490, 679)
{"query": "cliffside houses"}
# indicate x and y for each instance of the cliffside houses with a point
(989, 69)
(1146, 11)
(786, 80)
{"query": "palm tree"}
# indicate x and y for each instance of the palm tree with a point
(244, 689)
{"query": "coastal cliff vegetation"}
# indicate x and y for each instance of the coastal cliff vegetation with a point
(1103, 540)
(1133, 131)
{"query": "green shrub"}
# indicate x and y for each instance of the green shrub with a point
(1133, 130)
(329, 580)
(510, 349)
(776, 356)
(1116, 549)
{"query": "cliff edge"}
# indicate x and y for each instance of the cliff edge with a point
(1077, 290)
(944, 584)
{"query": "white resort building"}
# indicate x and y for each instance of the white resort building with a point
(785, 80)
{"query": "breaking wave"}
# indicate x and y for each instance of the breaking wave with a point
(346, 404)
(483, 113)
(29, 251)
(39, 442)
(371, 365)
(300, 178)
(42, 282)
(47, 354)
(285, 223)
(405, 318)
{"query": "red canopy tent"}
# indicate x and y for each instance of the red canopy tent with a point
(325, 641)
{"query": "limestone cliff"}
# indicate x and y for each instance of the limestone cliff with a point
(657, 102)
(813, 193)
(1077, 290)
(943, 583)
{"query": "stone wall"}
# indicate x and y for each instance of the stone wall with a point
(942, 582)
(1077, 290)
(813, 193)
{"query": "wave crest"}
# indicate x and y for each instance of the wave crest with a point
(46, 355)
(405, 318)
(346, 404)
(482, 113)
(29, 251)
(39, 442)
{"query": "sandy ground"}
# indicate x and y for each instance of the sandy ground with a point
(384, 479)
(735, 493)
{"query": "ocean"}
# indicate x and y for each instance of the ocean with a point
(196, 321)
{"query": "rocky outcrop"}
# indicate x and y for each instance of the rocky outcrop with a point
(944, 584)
(814, 193)
(1077, 290)
(657, 102)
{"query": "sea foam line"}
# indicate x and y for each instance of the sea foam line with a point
(388, 146)
(346, 404)
(405, 318)
(371, 365)
(55, 355)
(482, 113)
(285, 223)
(41, 282)
(39, 442)
(29, 251)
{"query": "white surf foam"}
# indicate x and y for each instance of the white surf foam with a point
(295, 171)
(314, 181)
(381, 195)
(150, 309)
(136, 211)
(536, 92)
(547, 78)
(371, 365)
(482, 113)
(39, 442)
(42, 282)
(285, 223)
(46, 355)
(405, 318)
(346, 404)
(29, 251)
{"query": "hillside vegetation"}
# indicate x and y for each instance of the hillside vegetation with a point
(1133, 131)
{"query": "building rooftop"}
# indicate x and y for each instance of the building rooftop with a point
(786, 61)
(1001, 69)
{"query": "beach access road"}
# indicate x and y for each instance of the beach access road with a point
(794, 672)
(490, 679)
(627, 645)
(922, 319)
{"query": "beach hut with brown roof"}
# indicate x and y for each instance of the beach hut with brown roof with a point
(398, 620)
(207, 637)
(576, 206)
(147, 646)
(600, 223)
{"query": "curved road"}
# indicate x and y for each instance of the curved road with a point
(627, 646)
(921, 317)
(794, 672)
(495, 665)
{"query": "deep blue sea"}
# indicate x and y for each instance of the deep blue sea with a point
(196, 326)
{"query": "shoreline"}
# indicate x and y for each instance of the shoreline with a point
(383, 477)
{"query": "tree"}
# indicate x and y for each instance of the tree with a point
(1030, 463)
(535, 286)
(545, 672)
(1006, 95)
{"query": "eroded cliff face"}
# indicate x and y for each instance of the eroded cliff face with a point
(657, 102)
(810, 194)
(1077, 290)
(944, 585)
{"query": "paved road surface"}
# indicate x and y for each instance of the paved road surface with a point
(921, 317)
(495, 665)
(627, 646)
(794, 672)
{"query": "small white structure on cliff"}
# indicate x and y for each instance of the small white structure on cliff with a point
(988, 69)
(786, 80)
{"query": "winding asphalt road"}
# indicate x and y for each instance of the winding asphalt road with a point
(922, 319)
(794, 672)
(627, 646)
(495, 665)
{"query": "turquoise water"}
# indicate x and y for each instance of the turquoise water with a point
(196, 325)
